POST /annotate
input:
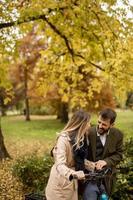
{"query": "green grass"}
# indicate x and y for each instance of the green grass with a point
(125, 123)
(18, 128)
(45, 129)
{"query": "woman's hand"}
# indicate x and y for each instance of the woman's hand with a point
(77, 175)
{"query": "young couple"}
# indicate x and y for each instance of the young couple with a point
(76, 146)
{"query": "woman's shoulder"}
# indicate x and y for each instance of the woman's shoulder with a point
(64, 135)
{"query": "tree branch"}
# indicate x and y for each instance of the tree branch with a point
(97, 66)
(54, 28)
(43, 17)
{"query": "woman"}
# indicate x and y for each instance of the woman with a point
(72, 139)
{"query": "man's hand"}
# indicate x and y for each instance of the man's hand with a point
(89, 165)
(100, 164)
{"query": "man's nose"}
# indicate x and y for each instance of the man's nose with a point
(100, 126)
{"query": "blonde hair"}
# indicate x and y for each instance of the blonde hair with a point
(79, 124)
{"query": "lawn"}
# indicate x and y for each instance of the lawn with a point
(45, 128)
(24, 137)
(37, 128)
(40, 133)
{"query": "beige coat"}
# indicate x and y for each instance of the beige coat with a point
(59, 186)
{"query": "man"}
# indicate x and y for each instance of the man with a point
(105, 150)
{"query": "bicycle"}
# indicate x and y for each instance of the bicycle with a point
(98, 176)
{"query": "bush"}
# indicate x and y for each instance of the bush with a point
(41, 110)
(33, 172)
(124, 186)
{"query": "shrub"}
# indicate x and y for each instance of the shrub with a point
(33, 172)
(124, 186)
(42, 110)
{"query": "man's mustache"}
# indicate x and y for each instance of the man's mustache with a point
(101, 129)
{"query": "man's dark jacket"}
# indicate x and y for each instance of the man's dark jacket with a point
(112, 153)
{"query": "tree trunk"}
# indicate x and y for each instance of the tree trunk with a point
(3, 151)
(2, 106)
(63, 112)
(3, 111)
(27, 108)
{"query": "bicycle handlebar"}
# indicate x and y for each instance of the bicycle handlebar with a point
(96, 174)
(99, 174)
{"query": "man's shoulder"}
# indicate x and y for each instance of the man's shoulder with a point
(116, 131)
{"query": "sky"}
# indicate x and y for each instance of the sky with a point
(129, 13)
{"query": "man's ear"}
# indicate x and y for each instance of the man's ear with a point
(112, 125)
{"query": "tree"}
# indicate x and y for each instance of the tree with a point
(2, 104)
(23, 72)
(3, 151)
(4, 83)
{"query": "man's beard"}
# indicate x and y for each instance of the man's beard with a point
(102, 131)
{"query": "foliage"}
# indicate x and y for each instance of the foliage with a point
(102, 100)
(85, 40)
(33, 171)
(5, 84)
(124, 187)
